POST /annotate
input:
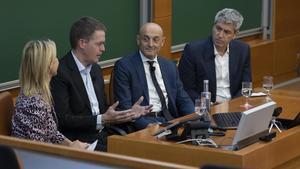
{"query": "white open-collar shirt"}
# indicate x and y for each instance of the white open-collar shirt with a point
(153, 96)
(222, 75)
(89, 87)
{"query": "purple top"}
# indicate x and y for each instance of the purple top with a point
(35, 119)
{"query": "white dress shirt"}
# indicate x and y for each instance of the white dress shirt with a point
(153, 96)
(222, 75)
(89, 87)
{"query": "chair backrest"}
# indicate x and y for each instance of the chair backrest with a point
(6, 111)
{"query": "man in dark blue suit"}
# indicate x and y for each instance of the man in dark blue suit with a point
(155, 78)
(223, 61)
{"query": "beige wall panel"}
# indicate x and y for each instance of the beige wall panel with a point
(287, 20)
(162, 8)
(261, 60)
(165, 23)
(286, 50)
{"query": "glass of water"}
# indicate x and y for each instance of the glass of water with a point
(246, 92)
(268, 85)
(200, 107)
(197, 106)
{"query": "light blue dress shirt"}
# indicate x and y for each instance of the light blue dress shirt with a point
(87, 80)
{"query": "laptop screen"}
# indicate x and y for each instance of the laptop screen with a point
(254, 121)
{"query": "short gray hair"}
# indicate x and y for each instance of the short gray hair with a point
(228, 15)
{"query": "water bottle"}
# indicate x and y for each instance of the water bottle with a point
(206, 95)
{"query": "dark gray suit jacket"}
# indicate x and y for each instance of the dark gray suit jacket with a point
(198, 63)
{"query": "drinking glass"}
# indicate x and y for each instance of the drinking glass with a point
(246, 92)
(200, 107)
(197, 106)
(268, 85)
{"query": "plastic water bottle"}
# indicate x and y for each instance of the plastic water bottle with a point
(206, 94)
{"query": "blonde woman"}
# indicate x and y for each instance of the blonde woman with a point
(34, 117)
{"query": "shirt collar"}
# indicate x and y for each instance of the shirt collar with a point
(80, 66)
(145, 59)
(217, 53)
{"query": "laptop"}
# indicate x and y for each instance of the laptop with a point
(253, 124)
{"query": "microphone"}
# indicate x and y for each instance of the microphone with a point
(277, 111)
(274, 122)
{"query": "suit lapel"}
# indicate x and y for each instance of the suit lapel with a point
(167, 82)
(164, 73)
(98, 83)
(97, 89)
(139, 67)
(233, 62)
(209, 63)
(77, 79)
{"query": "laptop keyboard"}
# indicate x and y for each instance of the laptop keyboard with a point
(229, 120)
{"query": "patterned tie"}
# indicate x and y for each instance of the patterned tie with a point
(161, 96)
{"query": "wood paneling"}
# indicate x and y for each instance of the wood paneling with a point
(14, 92)
(165, 23)
(252, 38)
(258, 155)
(284, 77)
(285, 55)
(286, 18)
(162, 15)
(176, 55)
(6, 112)
(107, 71)
(261, 61)
(84, 156)
(162, 8)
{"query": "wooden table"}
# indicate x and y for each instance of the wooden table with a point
(282, 152)
(289, 90)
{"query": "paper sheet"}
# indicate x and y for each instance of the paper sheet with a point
(92, 146)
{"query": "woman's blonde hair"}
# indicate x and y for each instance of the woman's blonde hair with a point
(34, 70)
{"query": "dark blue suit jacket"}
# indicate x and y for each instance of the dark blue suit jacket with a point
(130, 84)
(198, 63)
